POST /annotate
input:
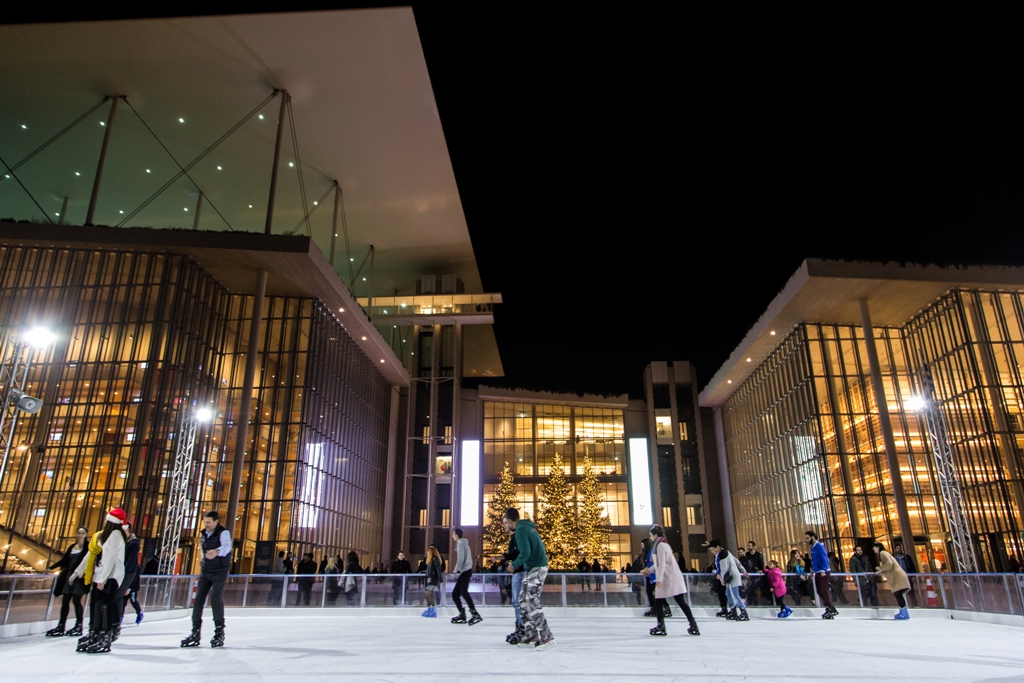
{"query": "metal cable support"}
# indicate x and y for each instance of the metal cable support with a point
(316, 205)
(18, 180)
(298, 166)
(46, 144)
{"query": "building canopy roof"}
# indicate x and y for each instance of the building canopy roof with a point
(824, 291)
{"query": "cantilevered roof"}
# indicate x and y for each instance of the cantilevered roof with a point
(828, 292)
(295, 267)
(364, 114)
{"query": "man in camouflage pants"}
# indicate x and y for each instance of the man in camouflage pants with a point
(533, 558)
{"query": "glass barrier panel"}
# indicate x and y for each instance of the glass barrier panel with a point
(992, 588)
(30, 600)
(234, 590)
(265, 590)
(702, 588)
(551, 595)
(925, 592)
(584, 590)
(628, 591)
(345, 590)
(381, 590)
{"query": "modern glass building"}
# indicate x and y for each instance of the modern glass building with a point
(817, 413)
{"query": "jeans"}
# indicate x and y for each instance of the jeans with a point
(461, 591)
(517, 589)
(212, 586)
(733, 594)
(531, 609)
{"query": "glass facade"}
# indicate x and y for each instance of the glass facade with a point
(805, 448)
(143, 337)
(529, 435)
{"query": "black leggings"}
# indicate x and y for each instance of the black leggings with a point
(661, 603)
(65, 605)
(779, 600)
(104, 612)
(899, 597)
(461, 590)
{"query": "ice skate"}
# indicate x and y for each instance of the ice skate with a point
(115, 633)
(724, 612)
(830, 613)
(99, 644)
(742, 616)
(460, 618)
(902, 615)
(57, 630)
(85, 641)
(528, 639)
(731, 614)
(76, 631)
(650, 613)
(475, 617)
(218, 637)
(668, 612)
(513, 638)
(138, 619)
(193, 638)
(659, 630)
(786, 611)
(544, 643)
(693, 630)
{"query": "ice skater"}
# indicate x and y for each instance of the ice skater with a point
(730, 574)
(822, 571)
(777, 588)
(131, 579)
(106, 549)
(215, 542)
(69, 587)
(668, 582)
(432, 581)
(517, 584)
(464, 574)
(899, 582)
(534, 559)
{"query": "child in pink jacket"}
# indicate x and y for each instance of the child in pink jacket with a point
(778, 584)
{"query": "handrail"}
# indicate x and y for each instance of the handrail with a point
(1001, 593)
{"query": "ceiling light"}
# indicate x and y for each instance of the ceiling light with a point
(290, 164)
(261, 117)
(748, 360)
(77, 173)
(219, 168)
(186, 208)
(773, 333)
(24, 127)
(148, 171)
(103, 123)
(180, 120)
(57, 213)
(364, 338)
(364, 279)
(314, 204)
(351, 259)
(120, 211)
(341, 310)
(250, 206)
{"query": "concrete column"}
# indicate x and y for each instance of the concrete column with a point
(389, 488)
(652, 445)
(677, 451)
(248, 382)
(883, 418)
(103, 160)
(723, 473)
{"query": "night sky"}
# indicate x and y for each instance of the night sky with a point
(640, 186)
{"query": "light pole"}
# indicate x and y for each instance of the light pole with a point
(177, 508)
(13, 379)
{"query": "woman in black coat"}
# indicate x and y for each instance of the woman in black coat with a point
(71, 592)
(350, 585)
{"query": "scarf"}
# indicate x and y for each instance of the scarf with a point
(95, 548)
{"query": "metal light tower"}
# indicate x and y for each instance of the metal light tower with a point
(13, 378)
(178, 502)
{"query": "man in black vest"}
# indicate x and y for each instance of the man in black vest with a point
(213, 574)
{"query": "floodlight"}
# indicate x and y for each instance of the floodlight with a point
(39, 337)
(204, 414)
(915, 404)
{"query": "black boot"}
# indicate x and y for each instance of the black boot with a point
(475, 617)
(461, 618)
(731, 616)
(514, 637)
(659, 630)
(742, 616)
(218, 637)
(115, 633)
(76, 631)
(668, 612)
(724, 612)
(650, 613)
(57, 630)
(100, 644)
(193, 638)
(693, 630)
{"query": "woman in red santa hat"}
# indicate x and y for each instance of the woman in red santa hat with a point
(104, 571)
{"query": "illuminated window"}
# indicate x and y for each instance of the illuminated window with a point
(666, 515)
(693, 515)
(426, 435)
(447, 434)
(443, 464)
(663, 426)
(423, 517)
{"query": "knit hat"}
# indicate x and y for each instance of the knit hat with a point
(117, 516)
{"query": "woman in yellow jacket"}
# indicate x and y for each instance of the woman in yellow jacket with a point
(897, 579)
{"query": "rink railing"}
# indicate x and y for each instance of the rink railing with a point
(29, 597)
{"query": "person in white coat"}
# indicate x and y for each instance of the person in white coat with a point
(731, 574)
(668, 582)
(106, 578)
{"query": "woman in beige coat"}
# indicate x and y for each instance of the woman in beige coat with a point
(897, 579)
(668, 582)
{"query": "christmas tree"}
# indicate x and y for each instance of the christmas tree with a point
(592, 527)
(495, 537)
(556, 519)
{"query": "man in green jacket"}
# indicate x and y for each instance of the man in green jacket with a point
(534, 560)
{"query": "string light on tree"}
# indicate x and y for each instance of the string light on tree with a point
(593, 529)
(556, 519)
(495, 537)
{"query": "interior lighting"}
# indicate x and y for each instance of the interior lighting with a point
(364, 338)
(469, 476)
(381, 360)
(773, 333)
(748, 360)
(729, 381)
(351, 259)
(341, 310)
(641, 481)
(56, 213)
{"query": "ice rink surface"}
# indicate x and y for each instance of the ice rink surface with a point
(315, 647)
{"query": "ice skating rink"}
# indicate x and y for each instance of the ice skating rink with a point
(312, 647)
